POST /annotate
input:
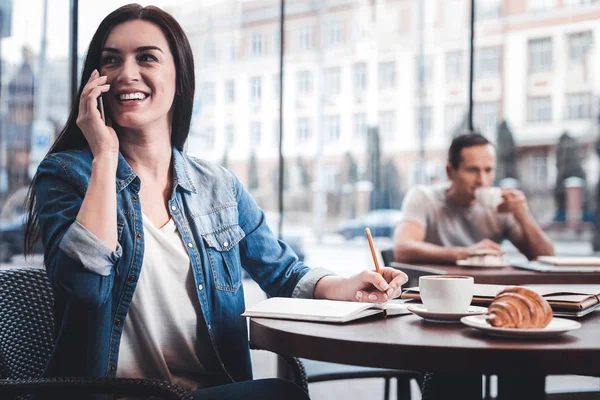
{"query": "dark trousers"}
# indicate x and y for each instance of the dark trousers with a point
(262, 389)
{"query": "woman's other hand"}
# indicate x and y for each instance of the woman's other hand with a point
(100, 137)
(366, 286)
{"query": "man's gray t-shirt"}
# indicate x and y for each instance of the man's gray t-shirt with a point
(448, 224)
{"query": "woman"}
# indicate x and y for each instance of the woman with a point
(144, 245)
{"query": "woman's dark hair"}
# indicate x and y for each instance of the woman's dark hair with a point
(71, 136)
(460, 142)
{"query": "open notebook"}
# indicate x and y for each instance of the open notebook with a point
(321, 310)
(565, 300)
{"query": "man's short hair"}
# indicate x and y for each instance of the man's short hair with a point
(462, 141)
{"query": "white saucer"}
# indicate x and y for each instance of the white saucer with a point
(466, 263)
(557, 326)
(447, 318)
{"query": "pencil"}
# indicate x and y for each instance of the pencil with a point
(373, 252)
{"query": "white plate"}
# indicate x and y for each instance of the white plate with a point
(448, 318)
(466, 263)
(557, 326)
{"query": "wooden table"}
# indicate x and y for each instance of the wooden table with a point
(408, 342)
(514, 276)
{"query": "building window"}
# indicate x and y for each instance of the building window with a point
(332, 82)
(304, 83)
(425, 71)
(539, 109)
(230, 91)
(210, 51)
(486, 118)
(277, 41)
(540, 55)
(231, 50)
(331, 176)
(387, 75)
(207, 138)
(332, 128)
(255, 89)
(360, 77)
(276, 85)
(207, 90)
(487, 61)
(579, 106)
(580, 45)
(487, 9)
(229, 135)
(424, 119)
(454, 115)
(387, 124)
(540, 4)
(256, 44)
(255, 134)
(333, 33)
(454, 65)
(305, 37)
(303, 130)
(360, 125)
(536, 174)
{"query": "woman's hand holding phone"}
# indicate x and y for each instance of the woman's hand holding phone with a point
(100, 137)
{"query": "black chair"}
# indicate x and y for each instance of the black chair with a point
(26, 340)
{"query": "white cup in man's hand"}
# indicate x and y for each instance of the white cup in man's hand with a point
(446, 293)
(490, 197)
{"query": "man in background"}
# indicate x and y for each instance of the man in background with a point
(444, 223)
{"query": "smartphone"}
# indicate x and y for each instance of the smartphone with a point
(101, 108)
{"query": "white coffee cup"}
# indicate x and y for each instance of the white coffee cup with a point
(490, 197)
(446, 293)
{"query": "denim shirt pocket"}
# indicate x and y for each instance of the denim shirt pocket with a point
(224, 257)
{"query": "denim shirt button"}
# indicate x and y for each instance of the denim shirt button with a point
(190, 245)
(138, 235)
(131, 278)
(134, 197)
(200, 287)
(225, 244)
(174, 208)
(118, 322)
(111, 368)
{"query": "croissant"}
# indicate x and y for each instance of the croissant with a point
(519, 307)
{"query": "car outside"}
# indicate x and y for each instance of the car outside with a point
(380, 222)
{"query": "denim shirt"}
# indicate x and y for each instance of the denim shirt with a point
(223, 230)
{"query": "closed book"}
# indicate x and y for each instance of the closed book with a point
(322, 310)
(565, 300)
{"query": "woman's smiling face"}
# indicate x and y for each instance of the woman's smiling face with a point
(140, 69)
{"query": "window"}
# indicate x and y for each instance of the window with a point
(536, 174)
(540, 4)
(207, 136)
(331, 176)
(360, 125)
(579, 106)
(539, 109)
(387, 75)
(487, 61)
(255, 134)
(305, 37)
(332, 82)
(486, 118)
(303, 130)
(424, 72)
(304, 83)
(454, 63)
(424, 127)
(387, 124)
(331, 126)
(207, 93)
(231, 50)
(255, 89)
(454, 115)
(276, 131)
(229, 135)
(256, 44)
(360, 77)
(276, 85)
(487, 9)
(580, 45)
(277, 41)
(333, 33)
(540, 55)
(230, 91)
(210, 51)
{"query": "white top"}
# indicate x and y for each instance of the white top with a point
(159, 334)
(448, 224)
